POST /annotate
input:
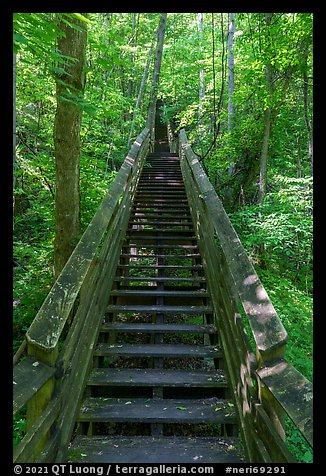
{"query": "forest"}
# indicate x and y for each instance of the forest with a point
(240, 84)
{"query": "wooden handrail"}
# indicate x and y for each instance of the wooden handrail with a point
(281, 389)
(267, 329)
(46, 328)
(293, 392)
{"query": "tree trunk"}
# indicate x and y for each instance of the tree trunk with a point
(264, 156)
(14, 128)
(230, 69)
(157, 68)
(267, 125)
(69, 90)
(230, 81)
(141, 90)
(201, 73)
(134, 25)
(306, 113)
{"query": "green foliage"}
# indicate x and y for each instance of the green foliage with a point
(294, 308)
(19, 427)
(95, 182)
(32, 279)
(297, 444)
(284, 225)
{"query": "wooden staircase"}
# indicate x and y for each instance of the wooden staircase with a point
(158, 391)
(140, 353)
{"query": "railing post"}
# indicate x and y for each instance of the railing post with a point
(266, 398)
(173, 139)
(41, 399)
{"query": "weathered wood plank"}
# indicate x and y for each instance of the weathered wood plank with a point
(158, 328)
(25, 450)
(162, 266)
(158, 377)
(151, 292)
(293, 392)
(158, 350)
(159, 279)
(276, 447)
(160, 309)
(208, 410)
(142, 449)
(28, 377)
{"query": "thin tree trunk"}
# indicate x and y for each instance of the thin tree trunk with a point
(306, 113)
(230, 79)
(201, 73)
(67, 142)
(230, 69)
(157, 69)
(141, 90)
(264, 156)
(14, 128)
(134, 25)
(267, 127)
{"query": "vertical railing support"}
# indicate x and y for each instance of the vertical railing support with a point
(41, 399)
(266, 398)
(173, 139)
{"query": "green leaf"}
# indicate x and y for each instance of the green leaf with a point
(20, 39)
(81, 17)
(181, 408)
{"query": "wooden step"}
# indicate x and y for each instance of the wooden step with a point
(164, 165)
(160, 279)
(167, 168)
(176, 208)
(163, 231)
(210, 410)
(143, 237)
(164, 213)
(165, 246)
(155, 292)
(150, 449)
(166, 234)
(158, 328)
(157, 378)
(143, 221)
(163, 201)
(162, 154)
(166, 217)
(160, 266)
(159, 309)
(160, 256)
(153, 199)
(165, 188)
(160, 182)
(161, 193)
(153, 174)
(157, 350)
(163, 160)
